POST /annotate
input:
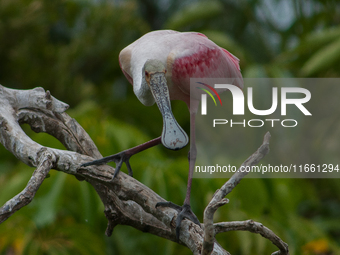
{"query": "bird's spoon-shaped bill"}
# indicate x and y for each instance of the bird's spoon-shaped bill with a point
(173, 136)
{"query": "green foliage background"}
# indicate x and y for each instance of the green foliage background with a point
(71, 48)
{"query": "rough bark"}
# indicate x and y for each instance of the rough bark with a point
(126, 201)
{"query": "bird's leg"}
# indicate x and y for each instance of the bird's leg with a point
(124, 156)
(191, 157)
(185, 212)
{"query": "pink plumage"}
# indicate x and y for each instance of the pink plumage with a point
(185, 55)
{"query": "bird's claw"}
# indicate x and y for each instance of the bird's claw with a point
(184, 212)
(119, 159)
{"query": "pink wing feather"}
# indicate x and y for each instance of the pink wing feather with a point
(204, 59)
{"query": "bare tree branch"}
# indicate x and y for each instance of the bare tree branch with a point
(218, 200)
(254, 227)
(26, 196)
(126, 201)
(209, 228)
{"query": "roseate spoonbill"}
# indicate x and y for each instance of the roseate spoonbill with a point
(159, 65)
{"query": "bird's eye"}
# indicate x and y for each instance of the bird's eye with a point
(147, 74)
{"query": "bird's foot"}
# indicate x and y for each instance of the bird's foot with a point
(124, 156)
(184, 212)
(119, 159)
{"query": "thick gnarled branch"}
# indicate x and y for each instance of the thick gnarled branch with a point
(126, 201)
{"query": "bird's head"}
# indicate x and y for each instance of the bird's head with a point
(153, 68)
(154, 75)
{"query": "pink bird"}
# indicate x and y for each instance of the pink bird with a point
(159, 65)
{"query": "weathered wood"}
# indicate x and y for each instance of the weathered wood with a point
(126, 201)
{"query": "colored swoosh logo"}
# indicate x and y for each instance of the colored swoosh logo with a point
(212, 89)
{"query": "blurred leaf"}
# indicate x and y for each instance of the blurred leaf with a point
(252, 196)
(314, 41)
(317, 39)
(15, 183)
(246, 241)
(319, 246)
(47, 205)
(255, 71)
(324, 58)
(196, 11)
